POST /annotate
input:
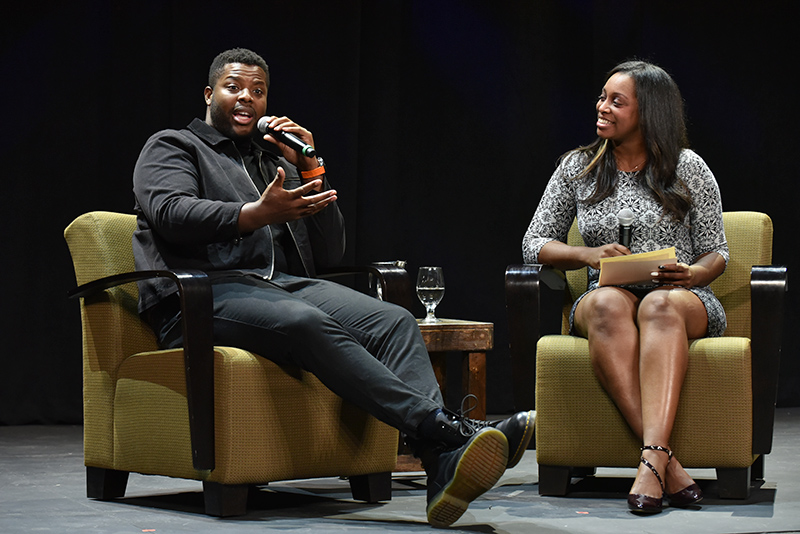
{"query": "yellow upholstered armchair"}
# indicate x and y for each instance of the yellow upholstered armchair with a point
(726, 412)
(222, 415)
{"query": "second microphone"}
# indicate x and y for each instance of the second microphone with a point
(287, 138)
(625, 218)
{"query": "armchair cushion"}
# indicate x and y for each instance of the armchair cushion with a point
(257, 438)
(578, 425)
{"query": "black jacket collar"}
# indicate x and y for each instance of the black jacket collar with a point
(213, 137)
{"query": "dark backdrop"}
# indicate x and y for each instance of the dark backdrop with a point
(441, 122)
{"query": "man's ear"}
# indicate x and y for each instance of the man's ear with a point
(207, 92)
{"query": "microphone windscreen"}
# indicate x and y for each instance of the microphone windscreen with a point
(625, 217)
(263, 125)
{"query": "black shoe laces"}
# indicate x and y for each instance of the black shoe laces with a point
(468, 427)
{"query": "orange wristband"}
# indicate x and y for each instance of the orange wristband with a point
(319, 171)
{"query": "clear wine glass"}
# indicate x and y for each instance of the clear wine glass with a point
(430, 290)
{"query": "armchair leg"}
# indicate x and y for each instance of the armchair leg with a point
(225, 500)
(105, 484)
(734, 483)
(554, 479)
(583, 472)
(757, 469)
(372, 488)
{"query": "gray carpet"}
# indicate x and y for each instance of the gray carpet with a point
(42, 489)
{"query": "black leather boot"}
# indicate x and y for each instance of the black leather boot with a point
(451, 430)
(458, 477)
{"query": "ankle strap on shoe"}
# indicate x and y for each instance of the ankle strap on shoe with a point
(657, 448)
(651, 466)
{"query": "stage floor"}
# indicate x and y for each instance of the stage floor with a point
(42, 489)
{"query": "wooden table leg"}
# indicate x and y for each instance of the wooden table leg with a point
(473, 380)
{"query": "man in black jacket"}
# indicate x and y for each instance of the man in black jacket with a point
(209, 198)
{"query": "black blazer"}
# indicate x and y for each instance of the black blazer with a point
(189, 186)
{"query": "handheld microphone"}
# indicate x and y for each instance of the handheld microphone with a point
(286, 138)
(625, 218)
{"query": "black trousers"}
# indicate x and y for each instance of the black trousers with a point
(368, 352)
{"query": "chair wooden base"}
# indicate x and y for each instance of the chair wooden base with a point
(226, 500)
(372, 488)
(105, 484)
(554, 480)
(733, 483)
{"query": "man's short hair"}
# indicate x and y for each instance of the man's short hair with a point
(235, 55)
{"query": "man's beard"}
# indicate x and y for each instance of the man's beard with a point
(222, 122)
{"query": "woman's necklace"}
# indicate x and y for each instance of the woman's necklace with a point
(635, 167)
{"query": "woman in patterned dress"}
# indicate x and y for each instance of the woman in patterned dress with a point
(638, 335)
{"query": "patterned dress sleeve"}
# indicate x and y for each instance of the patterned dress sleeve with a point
(553, 217)
(705, 218)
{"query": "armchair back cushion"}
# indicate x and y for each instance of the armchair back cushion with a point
(100, 245)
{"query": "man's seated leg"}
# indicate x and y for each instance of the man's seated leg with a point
(462, 461)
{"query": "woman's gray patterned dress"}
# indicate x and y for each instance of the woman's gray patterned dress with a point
(701, 231)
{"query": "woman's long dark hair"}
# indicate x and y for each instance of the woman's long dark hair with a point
(661, 119)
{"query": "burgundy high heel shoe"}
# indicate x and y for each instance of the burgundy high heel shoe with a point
(645, 504)
(689, 495)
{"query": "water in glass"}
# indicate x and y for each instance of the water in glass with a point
(430, 290)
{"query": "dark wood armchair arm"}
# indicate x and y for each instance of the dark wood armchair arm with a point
(194, 290)
(768, 285)
(392, 282)
(534, 297)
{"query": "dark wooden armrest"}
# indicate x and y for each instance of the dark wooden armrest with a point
(390, 280)
(768, 286)
(194, 290)
(534, 296)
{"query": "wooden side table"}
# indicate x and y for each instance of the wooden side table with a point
(472, 339)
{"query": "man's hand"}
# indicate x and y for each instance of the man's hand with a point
(285, 124)
(278, 205)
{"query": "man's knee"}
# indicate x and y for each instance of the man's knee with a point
(398, 315)
(303, 321)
